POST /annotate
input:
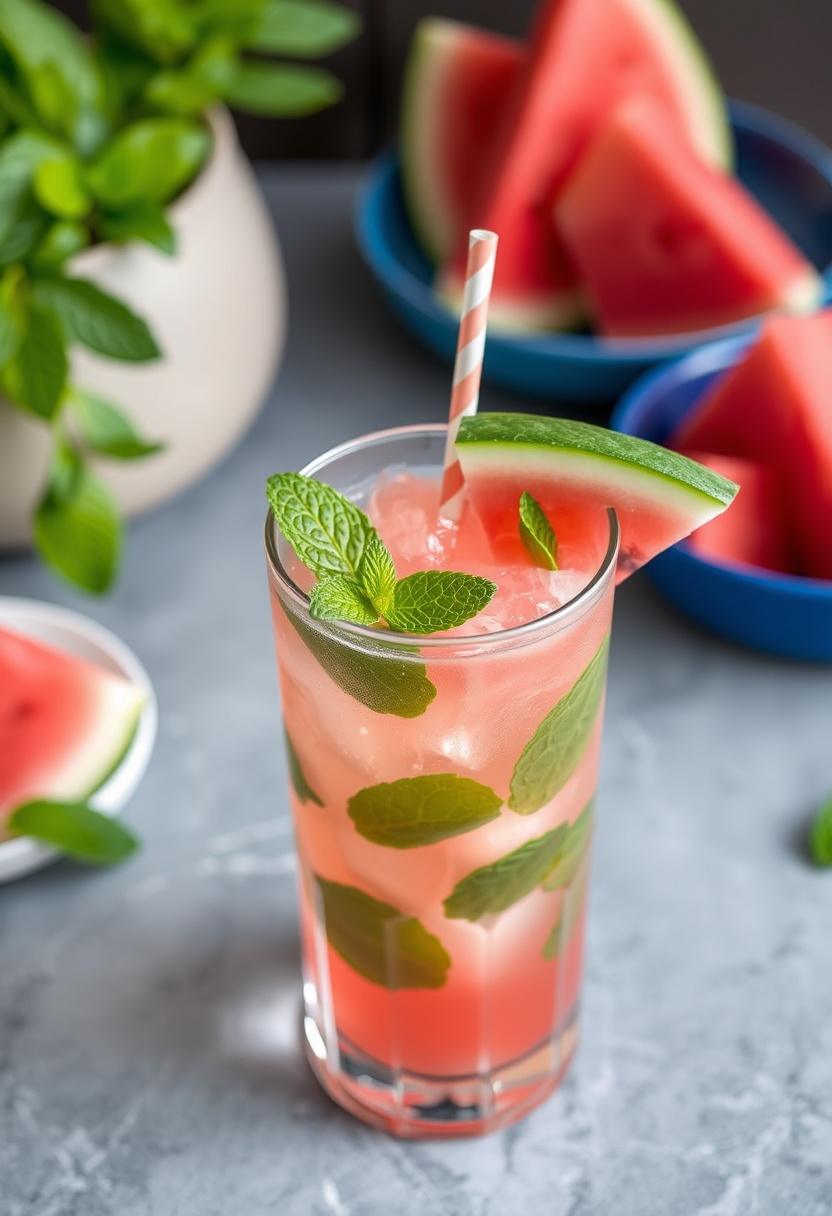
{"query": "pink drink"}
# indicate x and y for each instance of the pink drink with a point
(466, 1018)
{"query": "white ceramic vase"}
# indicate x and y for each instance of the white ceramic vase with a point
(218, 311)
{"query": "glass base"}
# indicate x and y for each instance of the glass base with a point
(415, 1106)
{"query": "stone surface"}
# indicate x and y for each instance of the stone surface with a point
(149, 1063)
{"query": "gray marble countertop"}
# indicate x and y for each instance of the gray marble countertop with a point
(149, 1058)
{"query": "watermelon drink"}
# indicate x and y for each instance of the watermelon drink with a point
(443, 770)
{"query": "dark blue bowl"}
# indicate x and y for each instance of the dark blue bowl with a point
(778, 613)
(789, 172)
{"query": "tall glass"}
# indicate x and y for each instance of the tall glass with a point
(441, 979)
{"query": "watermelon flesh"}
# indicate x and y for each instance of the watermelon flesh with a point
(586, 55)
(666, 244)
(64, 722)
(775, 407)
(755, 531)
(576, 471)
(457, 81)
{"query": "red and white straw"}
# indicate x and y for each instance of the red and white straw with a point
(470, 347)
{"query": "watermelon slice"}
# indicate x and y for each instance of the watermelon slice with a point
(667, 244)
(755, 531)
(64, 723)
(775, 406)
(586, 56)
(456, 84)
(575, 469)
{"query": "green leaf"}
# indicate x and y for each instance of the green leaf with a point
(282, 90)
(327, 531)
(416, 811)
(96, 319)
(35, 34)
(383, 681)
(820, 839)
(60, 242)
(148, 162)
(106, 430)
(164, 28)
(338, 598)
(537, 534)
(16, 107)
(22, 222)
(59, 188)
(377, 574)
(141, 223)
(379, 941)
(11, 313)
(76, 527)
(75, 829)
(431, 600)
(53, 98)
(495, 887)
(569, 916)
(552, 754)
(35, 377)
(573, 853)
(297, 776)
(191, 89)
(307, 29)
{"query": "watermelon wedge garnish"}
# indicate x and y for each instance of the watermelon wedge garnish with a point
(455, 88)
(575, 470)
(586, 56)
(65, 723)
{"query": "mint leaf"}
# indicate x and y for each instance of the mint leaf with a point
(497, 886)
(431, 600)
(297, 776)
(96, 319)
(569, 915)
(59, 188)
(146, 222)
(281, 90)
(11, 314)
(76, 526)
(551, 755)
(377, 574)
(307, 29)
(379, 941)
(573, 852)
(60, 241)
(327, 531)
(338, 598)
(35, 377)
(416, 811)
(820, 839)
(75, 829)
(383, 681)
(106, 430)
(537, 534)
(148, 162)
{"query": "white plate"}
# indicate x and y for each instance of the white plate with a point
(79, 635)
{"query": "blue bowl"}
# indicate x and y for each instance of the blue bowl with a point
(779, 613)
(789, 172)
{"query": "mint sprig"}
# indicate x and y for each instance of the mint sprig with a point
(820, 837)
(356, 574)
(537, 534)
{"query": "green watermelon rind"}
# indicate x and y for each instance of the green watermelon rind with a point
(504, 441)
(707, 114)
(425, 205)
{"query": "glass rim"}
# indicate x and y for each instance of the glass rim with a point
(362, 634)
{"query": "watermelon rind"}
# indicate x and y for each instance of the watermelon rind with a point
(107, 740)
(434, 44)
(698, 88)
(633, 470)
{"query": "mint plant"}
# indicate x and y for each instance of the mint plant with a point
(98, 136)
(356, 574)
(75, 829)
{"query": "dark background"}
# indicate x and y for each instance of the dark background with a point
(774, 52)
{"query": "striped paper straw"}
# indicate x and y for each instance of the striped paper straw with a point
(470, 347)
